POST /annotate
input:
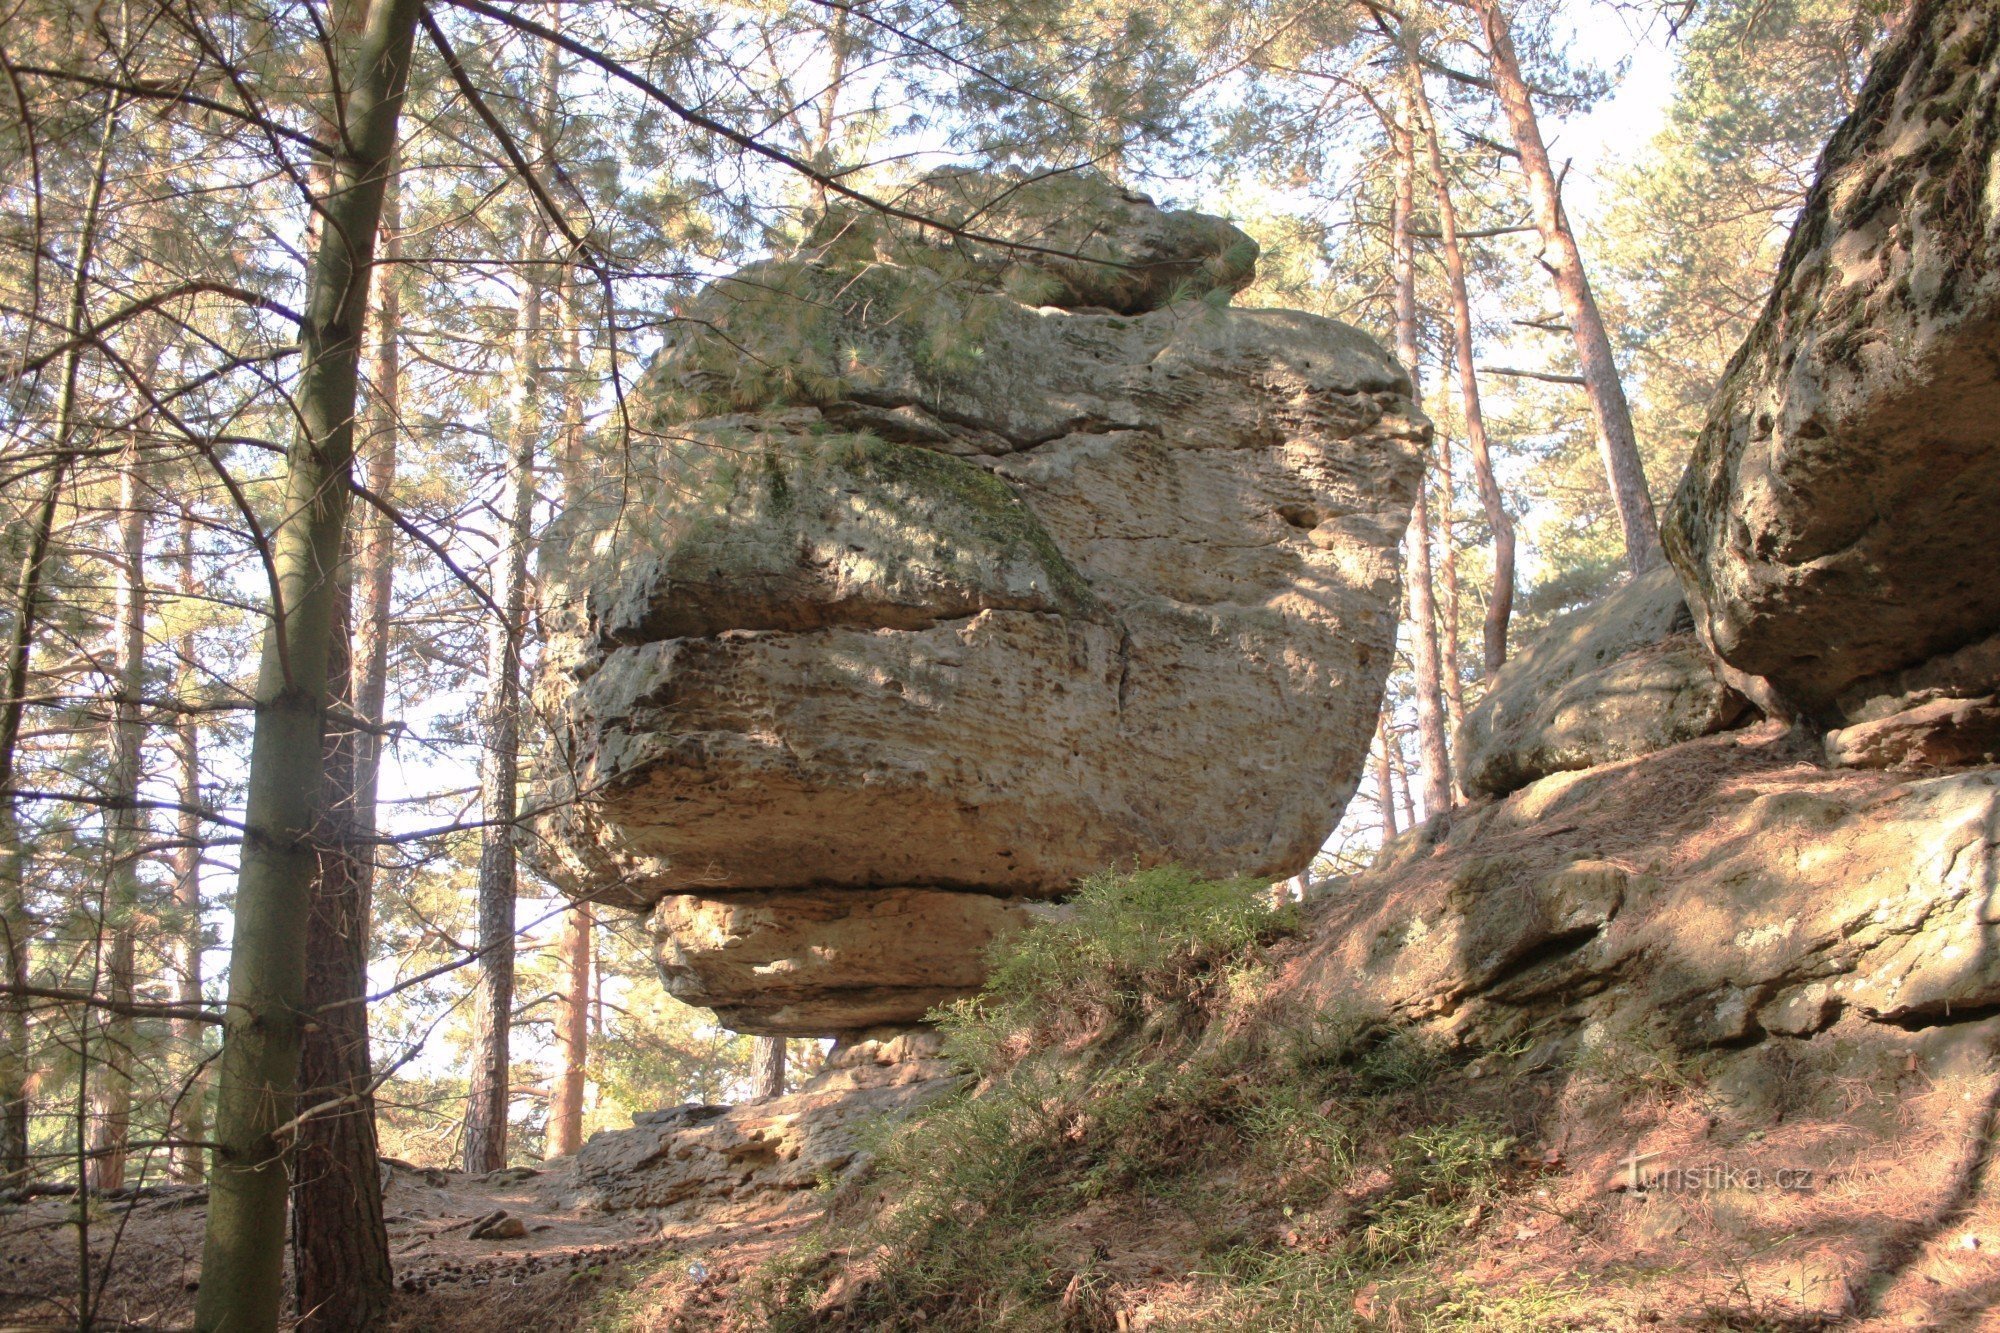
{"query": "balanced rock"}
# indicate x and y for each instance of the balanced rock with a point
(908, 587)
(1832, 526)
(1622, 677)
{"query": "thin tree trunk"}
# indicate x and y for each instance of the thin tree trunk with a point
(1401, 765)
(111, 1091)
(16, 927)
(1423, 618)
(1616, 443)
(565, 1134)
(767, 1065)
(189, 1117)
(243, 1251)
(1500, 607)
(375, 549)
(486, 1106)
(1430, 698)
(1385, 781)
(340, 1248)
(1454, 670)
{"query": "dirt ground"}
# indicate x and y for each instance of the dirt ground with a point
(572, 1267)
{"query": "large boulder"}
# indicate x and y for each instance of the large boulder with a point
(1622, 677)
(1831, 526)
(908, 586)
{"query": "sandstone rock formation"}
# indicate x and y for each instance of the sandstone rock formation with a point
(914, 589)
(803, 964)
(1620, 678)
(1704, 896)
(1828, 523)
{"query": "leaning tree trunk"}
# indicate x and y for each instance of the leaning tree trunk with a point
(1423, 613)
(243, 1251)
(486, 1106)
(767, 1067)
(111, 1079)
(1616, 443)
(1500, 607)
(340, 1248)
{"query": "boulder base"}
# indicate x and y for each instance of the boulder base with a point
(799, 963)
(762, 1158)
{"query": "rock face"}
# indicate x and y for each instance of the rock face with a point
(921, 589)
(1620, 678)
(1702, 897)
(1852, 459)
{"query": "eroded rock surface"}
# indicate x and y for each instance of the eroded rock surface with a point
(1704, 896)
(1622, 677)
(924, 588)
(803, 964)
(1852, 459)
(713, 1162)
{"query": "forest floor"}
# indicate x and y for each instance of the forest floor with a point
(572, 1267)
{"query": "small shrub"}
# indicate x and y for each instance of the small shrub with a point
(1126, 1051)
(1125, 945)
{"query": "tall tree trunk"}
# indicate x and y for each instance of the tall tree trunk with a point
(565, 1134)
(1430, 698)
(190, 1108)
(1500, 607)
(16, 926)
(1385, 778)
(486, 1107)
(340, 1252)
(1616, 443)
(1423, 617)
(243, 1250)
(111, 1090)
(375, 549)
(767, 1066)
(340, 1248)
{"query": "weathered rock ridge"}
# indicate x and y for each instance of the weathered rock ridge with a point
(1709, 894)
(1622, 677)
(914, 588)
(1829, 527)
(715, 1162)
